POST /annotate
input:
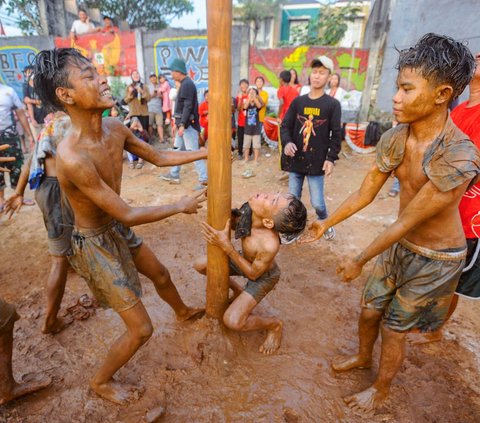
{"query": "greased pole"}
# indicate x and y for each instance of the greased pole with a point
(219, 31)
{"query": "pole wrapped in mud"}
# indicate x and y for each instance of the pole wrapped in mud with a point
(219, 24)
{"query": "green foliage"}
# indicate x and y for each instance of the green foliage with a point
(117, 86)
(253, 12)
(328, 29)
(151, 14)
(28, 21)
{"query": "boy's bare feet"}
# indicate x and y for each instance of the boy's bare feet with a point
(367, 401)
(191, 313)
(424, 338)
(21, 389)
(273, 340)
(349, 362)
(53, 328)
(119, 393)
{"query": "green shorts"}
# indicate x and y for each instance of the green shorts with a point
(413, 286)
(263, 285)
(104, 258)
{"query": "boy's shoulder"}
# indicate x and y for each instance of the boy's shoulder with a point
(391, 148)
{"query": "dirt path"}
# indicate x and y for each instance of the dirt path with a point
(203, 374)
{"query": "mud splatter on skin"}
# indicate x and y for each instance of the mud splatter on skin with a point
(201, 372)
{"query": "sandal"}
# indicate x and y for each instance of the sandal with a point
(139, 165)
(28, 202)
(131, 165)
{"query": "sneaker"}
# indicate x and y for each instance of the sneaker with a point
(330, 233)
(248, 174)
(392, 193)
(170, 178)
(139, 165)
(131, 165)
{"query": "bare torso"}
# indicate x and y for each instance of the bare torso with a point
(444, 230)
(259, 242)
(106, 155)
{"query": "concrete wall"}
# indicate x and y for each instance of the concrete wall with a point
(411, 19)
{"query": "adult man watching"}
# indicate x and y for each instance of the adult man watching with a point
(82, 25)
(186, 126)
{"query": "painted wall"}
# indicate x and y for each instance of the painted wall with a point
(113, 54)
(351, 64)
(15, 54)
(411, 19)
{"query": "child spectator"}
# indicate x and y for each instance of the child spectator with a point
(203, 113)
(241, 100)
(286, 93)
(166, 102)
(253, 126)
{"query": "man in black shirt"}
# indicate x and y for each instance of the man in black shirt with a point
(187, 124)
(310, 135)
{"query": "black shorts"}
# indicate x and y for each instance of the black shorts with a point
(469, 284)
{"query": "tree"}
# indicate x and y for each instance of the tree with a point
(151, 14)
(28, 15)
(328, 29)
(253, 12)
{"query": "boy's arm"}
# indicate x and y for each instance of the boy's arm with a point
(428, 202)
(253, 270)
(158, 158)
(15, 202)
(84, 176)
(367, 192)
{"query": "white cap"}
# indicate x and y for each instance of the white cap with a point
(324, 61)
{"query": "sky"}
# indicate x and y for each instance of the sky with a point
(195, 20)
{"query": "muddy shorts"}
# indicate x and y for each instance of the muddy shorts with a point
(7, 313)
(104, 258)
(469, 284)
(413, 286)
(57, 216)
(262, 286)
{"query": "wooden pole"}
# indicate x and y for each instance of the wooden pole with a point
(219, 24)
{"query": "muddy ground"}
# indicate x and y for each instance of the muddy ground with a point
(202, 373)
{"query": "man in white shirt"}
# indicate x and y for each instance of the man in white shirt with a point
(82, 25)
(10, 102)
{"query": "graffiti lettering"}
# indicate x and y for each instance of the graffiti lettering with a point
(13, 59)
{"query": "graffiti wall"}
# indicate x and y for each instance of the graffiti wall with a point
(15, 54)
(350, 64)
(114, 54)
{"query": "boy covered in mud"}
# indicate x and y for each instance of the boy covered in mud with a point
(422, 254)
(260, 223)
(105, 251)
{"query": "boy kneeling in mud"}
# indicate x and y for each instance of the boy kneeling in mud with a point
(261, 223)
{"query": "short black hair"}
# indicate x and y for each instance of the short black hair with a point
(243, 80)
(296, 75)
(285, 76)
(260, 77)
(81, 9)
(291, 221)
(440, 59)
(50, 71)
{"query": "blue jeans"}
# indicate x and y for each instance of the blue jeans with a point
(315, 186)
(189, 142)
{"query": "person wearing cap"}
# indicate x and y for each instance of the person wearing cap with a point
(187, 123)
(310, 138)
(155, 108)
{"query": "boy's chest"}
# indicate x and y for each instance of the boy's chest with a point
(410, 170)
(108, 161)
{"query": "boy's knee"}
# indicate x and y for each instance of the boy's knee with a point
(233, 321)
(200, 265)
(144, 332)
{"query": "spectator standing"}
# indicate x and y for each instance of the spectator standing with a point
(10, 102)
(167, 105)
(187, 125)
(334, 89)
(82, 25)
(310, 136)
(286, 93)
(240, 101)
(108, 27)
(36, 112)
(137, 129)
(137, 97)
(259, 83)
(294, 82)
(203, 114)
(253, 126)
(155, 108)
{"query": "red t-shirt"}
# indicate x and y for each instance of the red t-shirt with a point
(203, 113)
(241, 101)
(286, 93)
(468, 120)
